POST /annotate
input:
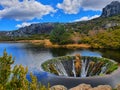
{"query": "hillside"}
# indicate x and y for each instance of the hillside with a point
(79, 32)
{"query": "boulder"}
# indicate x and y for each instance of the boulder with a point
(102, 87)
(58, 87)
(82, 87)
(118, 87)
(88, 87)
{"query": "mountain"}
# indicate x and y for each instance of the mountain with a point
(40, 28)
(112, 9)
(109, 18)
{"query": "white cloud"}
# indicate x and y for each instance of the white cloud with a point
(24, 24)
(70, 6)
(85, 18)
(25, 10)
(73, 6)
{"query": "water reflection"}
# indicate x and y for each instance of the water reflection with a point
(32, 56)
(60, 52)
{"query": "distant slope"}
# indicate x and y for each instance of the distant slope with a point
(40, 28)
(95, 24)
(110, 18)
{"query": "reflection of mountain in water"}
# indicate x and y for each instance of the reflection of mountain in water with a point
(60, 51)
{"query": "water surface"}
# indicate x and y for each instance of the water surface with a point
(32, 56)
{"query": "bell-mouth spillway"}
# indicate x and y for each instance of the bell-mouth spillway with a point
(80, 66)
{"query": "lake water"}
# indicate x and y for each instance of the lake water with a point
(32, 56)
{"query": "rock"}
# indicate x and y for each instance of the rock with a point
(88, 87)
(58, 87)
(39, 28)
(102, 87)
(118, 87)
(112, 9)
(82, 87)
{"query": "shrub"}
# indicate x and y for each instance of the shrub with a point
(16, 79)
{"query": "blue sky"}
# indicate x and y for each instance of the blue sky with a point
(19, 13)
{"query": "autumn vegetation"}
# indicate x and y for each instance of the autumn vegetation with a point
(15, 79)
(97, 33)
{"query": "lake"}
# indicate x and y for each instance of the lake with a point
(33, 56)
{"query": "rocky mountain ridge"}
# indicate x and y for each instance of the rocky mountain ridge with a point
(112, 9)
(107, 20)
(40, 28)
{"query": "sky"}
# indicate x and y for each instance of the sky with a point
(15, 14)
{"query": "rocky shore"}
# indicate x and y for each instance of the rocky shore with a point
(85, 87)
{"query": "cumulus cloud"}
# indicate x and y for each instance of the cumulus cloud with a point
(73, 6)
(25, 24)
(70, 6)
(85, 18)
(25, 10)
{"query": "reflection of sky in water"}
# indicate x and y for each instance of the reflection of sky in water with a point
(25, 56)
(85, 52)
(32, 57)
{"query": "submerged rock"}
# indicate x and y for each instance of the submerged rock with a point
(58, 87)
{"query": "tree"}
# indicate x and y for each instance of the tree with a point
(16, 79)
(57, 33)
(5, 68)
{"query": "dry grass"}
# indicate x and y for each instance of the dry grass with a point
(46, 43)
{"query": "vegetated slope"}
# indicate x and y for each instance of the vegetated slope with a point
(101, 28)
(94, 24)
(104, 39)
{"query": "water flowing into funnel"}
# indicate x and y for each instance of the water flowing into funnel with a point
(84, 68)
(60, 68)
(103, 69)
(73, 70)
(80, 67)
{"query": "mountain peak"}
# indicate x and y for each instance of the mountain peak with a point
(112, 9)
(114, 2)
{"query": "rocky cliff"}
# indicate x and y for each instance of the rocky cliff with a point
(112, 9)
(41, 28)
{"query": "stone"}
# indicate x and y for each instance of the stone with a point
(82, 87)
(112, 9)
(102, 87)
(88, 87)
(58, 87)
(39, 28)
(118, 87)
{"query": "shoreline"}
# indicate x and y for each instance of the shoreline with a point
(47, 44)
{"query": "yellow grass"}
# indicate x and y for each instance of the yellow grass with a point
(46, 43)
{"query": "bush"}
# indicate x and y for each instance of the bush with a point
(59, 35)
(16, 79)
